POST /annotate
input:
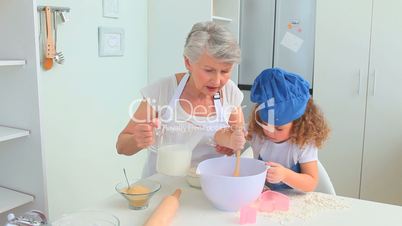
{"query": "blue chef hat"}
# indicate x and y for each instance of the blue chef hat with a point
(281, 95)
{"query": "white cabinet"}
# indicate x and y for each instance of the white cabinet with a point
(11, 199)
(382, 169)
(227, 13)
(4, 63)
(356, 84)
(340, 69)
(8, 133)
(21, 168)
(169, 23)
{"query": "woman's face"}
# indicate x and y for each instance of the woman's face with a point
(209, 74)
(279, 134)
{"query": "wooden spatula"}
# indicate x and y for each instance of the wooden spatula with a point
(49, 47)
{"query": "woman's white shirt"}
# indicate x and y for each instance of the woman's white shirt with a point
(161, 93)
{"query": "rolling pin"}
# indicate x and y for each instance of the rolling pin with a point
(164, 213)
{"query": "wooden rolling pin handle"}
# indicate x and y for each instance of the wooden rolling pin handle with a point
(177, 193)
(164, 213)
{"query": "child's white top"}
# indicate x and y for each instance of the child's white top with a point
(286, 153)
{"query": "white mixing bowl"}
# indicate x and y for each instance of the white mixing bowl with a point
(227, 192)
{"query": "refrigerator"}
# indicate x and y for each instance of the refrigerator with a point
(275, 33)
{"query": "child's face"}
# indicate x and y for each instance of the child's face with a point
(280, 133)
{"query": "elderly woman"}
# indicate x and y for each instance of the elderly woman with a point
(204, 98)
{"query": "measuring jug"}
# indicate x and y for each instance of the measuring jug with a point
(174, 149)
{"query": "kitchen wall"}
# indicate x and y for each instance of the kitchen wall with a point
(164, 18)
(84, 104)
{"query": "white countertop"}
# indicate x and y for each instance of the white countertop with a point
(196, 210)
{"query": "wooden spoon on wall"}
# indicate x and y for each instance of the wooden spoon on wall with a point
(49, 47)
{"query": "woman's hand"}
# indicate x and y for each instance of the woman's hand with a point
(139, 132)
(237, 139)
(276, 173)
(143, 133)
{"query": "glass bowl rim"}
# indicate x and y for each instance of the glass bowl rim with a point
(77, 213)
(159, 186)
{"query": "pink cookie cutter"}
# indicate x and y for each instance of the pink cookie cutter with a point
(270, 201)
(248, 215)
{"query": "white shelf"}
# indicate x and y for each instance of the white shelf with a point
(7, 133)
(11, 199)
(221, 18)
(12, 62)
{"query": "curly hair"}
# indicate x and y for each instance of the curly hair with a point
(310, 128)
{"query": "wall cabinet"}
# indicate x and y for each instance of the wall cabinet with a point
(356, 83)
(381, 168)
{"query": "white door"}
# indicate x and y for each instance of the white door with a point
(340, 76)
(382, 162)
(169, 23)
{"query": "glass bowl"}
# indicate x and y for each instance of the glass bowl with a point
(139, 194)
(87, 218)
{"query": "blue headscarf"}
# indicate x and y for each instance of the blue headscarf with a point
(282, 96)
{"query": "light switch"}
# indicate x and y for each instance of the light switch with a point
(111, 8)
(111, 41)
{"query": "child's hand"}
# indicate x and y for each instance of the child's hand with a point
(276, 173)
(237, 139)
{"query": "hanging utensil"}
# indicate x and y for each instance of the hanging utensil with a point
(125, 175)
(63, 17)
(58, 56)
(49, 48)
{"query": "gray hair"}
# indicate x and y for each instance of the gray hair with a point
(213, 38)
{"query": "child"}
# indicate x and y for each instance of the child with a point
(286, 129)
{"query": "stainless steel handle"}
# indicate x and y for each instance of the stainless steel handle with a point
(359, 87)
(374, 83)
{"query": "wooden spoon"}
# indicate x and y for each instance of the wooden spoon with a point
(49, 49)
(236, 172)
(237, 167)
